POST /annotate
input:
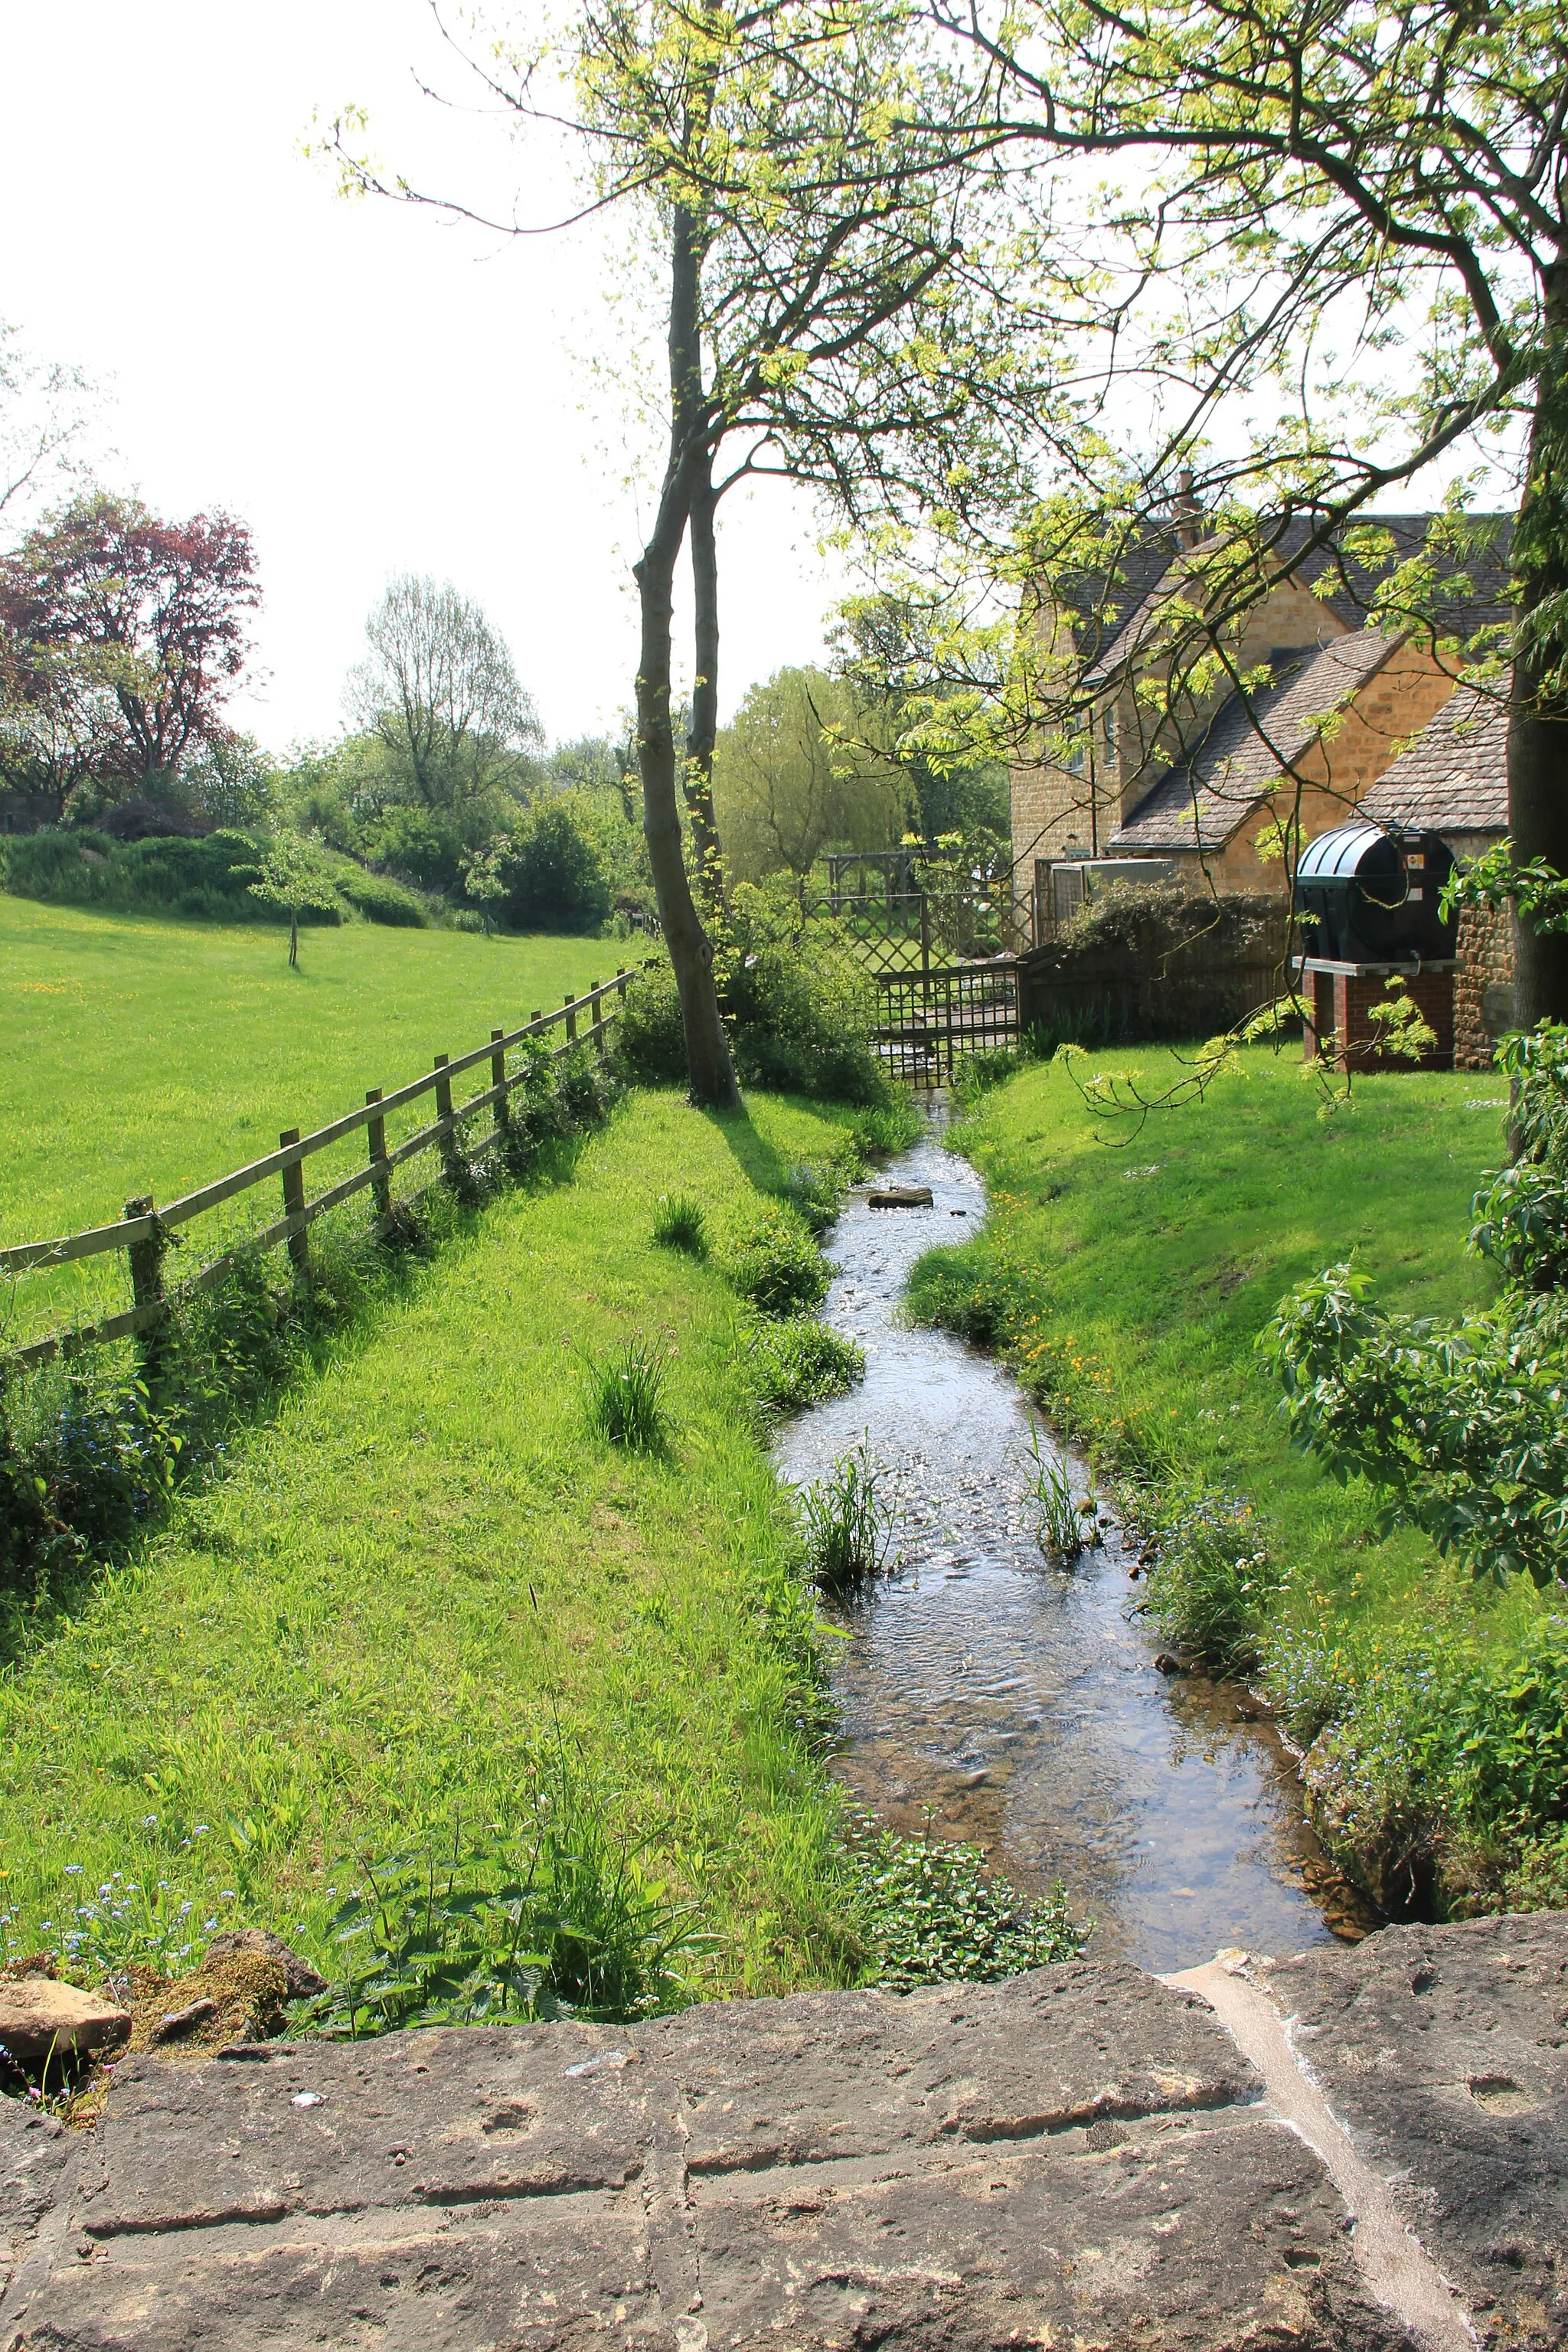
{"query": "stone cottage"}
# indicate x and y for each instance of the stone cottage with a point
(1226, 784)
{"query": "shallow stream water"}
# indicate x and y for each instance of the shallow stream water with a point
(1015, 1704)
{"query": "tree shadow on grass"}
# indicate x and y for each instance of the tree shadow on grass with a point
(757, 1158)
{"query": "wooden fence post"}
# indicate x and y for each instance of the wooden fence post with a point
(375, 1137)
(925, 930)
(449, 1145)
(294, 1202)
(146, 1275)
(596, 1029)
(498, 1078)
(571, 1020)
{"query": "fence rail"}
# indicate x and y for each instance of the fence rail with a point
(142, 1230)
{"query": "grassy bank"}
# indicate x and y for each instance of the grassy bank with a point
(1128, 1277)
(426, 1578)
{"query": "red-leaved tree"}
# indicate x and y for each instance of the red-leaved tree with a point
(124, 629)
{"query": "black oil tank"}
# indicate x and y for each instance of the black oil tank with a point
(1368, 893)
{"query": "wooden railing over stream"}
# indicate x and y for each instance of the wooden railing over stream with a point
(144, 1232)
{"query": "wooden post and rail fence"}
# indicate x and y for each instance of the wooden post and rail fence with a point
(143, 1233)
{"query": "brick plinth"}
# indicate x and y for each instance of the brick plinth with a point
(1340, 1027)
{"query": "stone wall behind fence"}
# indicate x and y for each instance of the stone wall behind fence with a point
(1156, 961)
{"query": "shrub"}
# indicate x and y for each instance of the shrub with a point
(846, 1521)
(933, 1913)
(582, 1087)
(545, 875)
(67, 868)
(381, 900)
(801, 1013)
(799, 1008)
(679, 1224)
(626, 1397)
(774, 1261)
(209, 876)
(84, 1462)
(795, 1360)
(649, 1042)
(425, 846)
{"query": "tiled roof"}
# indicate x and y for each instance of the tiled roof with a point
(1481, 602)
(1101, 600)
(1249, 742)
(1454, 777)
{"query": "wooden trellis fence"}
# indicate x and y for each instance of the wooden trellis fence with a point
(142, 1233)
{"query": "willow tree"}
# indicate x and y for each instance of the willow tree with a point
(847, 304)
(1327, 240)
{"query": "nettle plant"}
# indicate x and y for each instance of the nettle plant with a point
(1461, 1426)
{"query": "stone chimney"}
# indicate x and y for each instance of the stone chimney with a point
(1187, 513)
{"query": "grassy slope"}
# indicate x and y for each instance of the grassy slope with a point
(149, 1055)
(339, 1644)
(1139, 1270)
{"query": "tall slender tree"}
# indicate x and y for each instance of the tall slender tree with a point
(834, 312)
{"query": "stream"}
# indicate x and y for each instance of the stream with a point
(987, 1695)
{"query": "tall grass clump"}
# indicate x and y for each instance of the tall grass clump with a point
(1063, 1526)
(1214, 1581)
(680, 1222)
(774, 1260)
(625, 1404)
(795, 1360)
(846, 1521)
(562, 1921)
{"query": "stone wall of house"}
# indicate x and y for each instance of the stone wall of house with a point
(1483, 985)
(1052, 813)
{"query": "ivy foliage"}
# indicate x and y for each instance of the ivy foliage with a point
(934, 1914)
(1462, 1427)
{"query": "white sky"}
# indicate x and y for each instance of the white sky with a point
(372, 390)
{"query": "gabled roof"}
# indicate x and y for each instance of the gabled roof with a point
(1350, 586)
(1454, 777)
(1250, 743)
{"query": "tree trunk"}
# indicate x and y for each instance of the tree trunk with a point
(1538, 715)
(709, 1070)
(704, 727)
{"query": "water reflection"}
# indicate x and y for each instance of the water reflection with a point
(1003, 1701)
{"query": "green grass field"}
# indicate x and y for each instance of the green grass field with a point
(141, 1056)
(375, 1621)
(1128, 1275)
